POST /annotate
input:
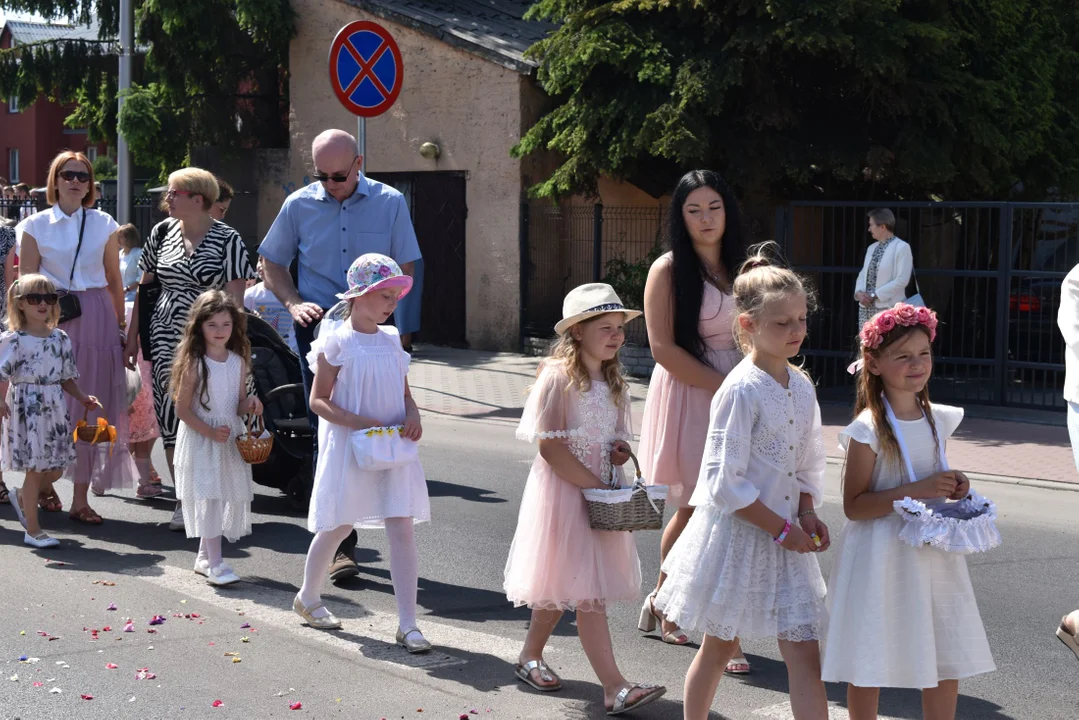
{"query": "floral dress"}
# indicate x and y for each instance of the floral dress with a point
(7, 244)
(38, 434)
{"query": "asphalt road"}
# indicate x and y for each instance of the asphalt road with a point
(476, 473)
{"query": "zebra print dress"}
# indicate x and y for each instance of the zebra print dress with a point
(220, 258)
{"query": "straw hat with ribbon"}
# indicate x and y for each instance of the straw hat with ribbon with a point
(588, 301)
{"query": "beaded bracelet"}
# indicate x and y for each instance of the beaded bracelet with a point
(783, 535)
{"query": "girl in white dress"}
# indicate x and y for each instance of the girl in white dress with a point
(361, 382)
(900, 616)
(213, 483)
(744, 566)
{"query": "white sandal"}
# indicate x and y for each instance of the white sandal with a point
(1066, 636)
(649, 618)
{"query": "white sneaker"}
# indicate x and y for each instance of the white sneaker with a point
(177, 522)
(202, 567)
(222, 575)
(41, 540)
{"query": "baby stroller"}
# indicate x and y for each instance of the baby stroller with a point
(279, 385)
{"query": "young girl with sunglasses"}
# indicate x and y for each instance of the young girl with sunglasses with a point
(37, 366)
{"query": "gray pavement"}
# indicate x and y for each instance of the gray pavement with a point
(476, 473)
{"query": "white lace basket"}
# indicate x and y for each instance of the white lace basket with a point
(964, 527)
(637, 507)
(382, 448)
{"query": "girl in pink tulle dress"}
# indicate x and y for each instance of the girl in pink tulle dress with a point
(579, 414)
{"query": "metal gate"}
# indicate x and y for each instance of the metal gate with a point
(992, 272)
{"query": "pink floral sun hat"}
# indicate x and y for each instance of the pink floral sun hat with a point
(371, 271)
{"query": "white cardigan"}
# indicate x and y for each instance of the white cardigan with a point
(1068, 322)
(893, 273)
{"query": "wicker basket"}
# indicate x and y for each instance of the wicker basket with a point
(100, 432)
(638, 507)
(254, 448)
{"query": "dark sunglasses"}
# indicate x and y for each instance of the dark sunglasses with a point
(70, 175)
(337, 177)
(38, 298)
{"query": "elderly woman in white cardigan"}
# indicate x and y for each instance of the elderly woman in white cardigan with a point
(888, 266)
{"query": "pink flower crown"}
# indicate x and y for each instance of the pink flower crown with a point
(902, 315)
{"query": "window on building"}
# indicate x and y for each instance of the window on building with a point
(91, 153)
(13, 104)
(13, 166)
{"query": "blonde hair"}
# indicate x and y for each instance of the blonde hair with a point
(566, 351)
(198, 181)
(24, 285)
(759, 283)
(58, 162)
(871, 394)
(192, 348)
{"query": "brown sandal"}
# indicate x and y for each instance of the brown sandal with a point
(49, 501)
(86, 516)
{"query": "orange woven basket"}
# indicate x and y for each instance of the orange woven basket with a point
(99, 432)
(253, 449)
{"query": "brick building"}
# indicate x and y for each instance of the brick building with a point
(31, 136)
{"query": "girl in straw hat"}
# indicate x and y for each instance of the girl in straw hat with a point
(361, 385)
(579, 414)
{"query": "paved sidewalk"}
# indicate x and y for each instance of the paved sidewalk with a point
(492, 387)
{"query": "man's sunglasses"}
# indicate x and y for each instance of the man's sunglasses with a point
(38, 298)
(70, 175)
(337, 177)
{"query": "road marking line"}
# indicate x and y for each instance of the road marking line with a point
(782, 711)
(267, 606)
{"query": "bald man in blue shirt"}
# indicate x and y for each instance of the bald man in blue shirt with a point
(323, 227)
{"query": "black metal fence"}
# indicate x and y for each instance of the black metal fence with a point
(144, 211)
(991, 271)
(566, 246)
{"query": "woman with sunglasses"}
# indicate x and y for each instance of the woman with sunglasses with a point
(187, 254)
(77, 249)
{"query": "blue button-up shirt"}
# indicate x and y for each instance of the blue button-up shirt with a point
(327, 235)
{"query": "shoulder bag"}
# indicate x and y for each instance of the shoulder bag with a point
(70, 307)
(148, 295)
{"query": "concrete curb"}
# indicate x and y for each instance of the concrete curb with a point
(1004, 480)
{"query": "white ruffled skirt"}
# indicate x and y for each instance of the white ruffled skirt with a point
(729, 579)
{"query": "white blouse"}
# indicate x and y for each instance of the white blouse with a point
(764, 443)
(57, 236)
(893, 273)
(1068, 322)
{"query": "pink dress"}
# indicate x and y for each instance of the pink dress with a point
(676, 414)
(556, 561)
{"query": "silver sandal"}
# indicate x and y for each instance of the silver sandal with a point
(413, 646)
(524, 674)
(654, 692)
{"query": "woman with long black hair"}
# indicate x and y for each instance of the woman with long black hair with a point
(690, 316)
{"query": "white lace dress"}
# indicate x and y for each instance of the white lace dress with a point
(725, 577)
(900, 616)
(212, 480)
(556, 561)
(370, 382)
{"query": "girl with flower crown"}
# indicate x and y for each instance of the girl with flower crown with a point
(900, 616)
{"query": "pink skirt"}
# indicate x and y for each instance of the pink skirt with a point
(95, 338)
(675, 426)
(556, 561)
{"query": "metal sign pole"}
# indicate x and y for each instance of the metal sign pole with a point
(361, 141)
